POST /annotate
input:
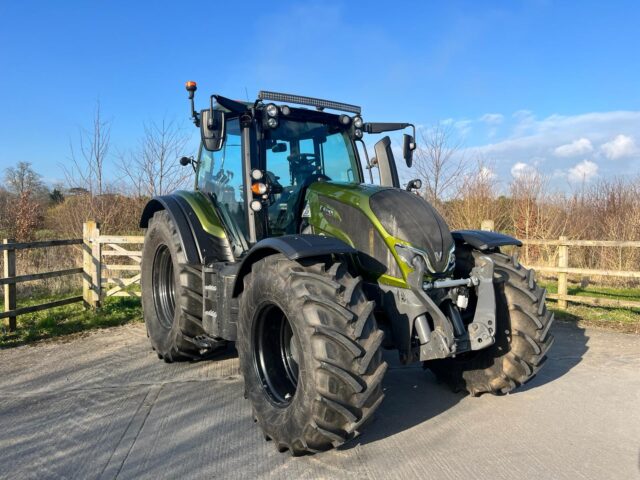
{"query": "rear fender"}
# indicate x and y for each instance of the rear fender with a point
(200, 246)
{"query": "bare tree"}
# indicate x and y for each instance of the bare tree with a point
(439, 161)
(89, 163)
(23, 178)
(154, 169)
(89, 156)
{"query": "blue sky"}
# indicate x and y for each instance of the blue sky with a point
(548, 85)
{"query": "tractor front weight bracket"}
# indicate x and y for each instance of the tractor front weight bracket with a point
(482, 329)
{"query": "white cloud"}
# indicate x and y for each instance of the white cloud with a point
(520, 169)
(533, 142)
(620, 147)
(584, 171)
(463, 126)
(581, 146)
(492, 118)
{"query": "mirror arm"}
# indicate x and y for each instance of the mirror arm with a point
(194, 115)
(376, 127)
(413, 127)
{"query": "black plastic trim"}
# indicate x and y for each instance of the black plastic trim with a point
(484, 240)
(294, 247)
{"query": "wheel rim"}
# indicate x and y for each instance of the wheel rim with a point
(164, 287)
(275, 355)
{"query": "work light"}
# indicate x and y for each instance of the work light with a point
(272, 110)
(357, 122)
(272, 122)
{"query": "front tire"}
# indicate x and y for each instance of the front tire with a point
(522, 334)
(310, 352)
(172, 295)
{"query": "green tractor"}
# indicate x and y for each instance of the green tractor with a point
(287, 250)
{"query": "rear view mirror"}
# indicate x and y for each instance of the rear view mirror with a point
(408, 146)
(212, 129)
(279, 148)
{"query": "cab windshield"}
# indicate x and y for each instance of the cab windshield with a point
(297, 154)
(296, 150)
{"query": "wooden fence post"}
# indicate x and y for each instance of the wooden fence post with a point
(96, 253)
(563, 262)
(10, 289)
(487, 225)
(91, 264)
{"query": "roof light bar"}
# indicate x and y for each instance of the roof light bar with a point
(313, 102)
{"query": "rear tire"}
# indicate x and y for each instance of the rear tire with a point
(522, 334)
(172, 295)
(310, 352)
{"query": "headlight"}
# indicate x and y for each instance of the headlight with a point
(272, 110)
(257, 174)
(357, 122)
(285, 110)
(357, 133)
(256, 205)
(345, 119)
(272, 122)
(408, 255)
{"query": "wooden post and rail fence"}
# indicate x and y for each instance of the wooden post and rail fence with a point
(98, 250)
(98, 253)
(562, 269)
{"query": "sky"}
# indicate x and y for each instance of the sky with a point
(547, 85)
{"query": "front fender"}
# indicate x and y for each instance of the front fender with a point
(294, 247)
(484, 240)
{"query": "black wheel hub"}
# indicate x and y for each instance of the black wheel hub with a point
(164, 287)
(276, 355)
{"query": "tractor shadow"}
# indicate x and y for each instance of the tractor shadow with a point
(569, 348)
(413, 396)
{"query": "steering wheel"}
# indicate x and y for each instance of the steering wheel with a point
(295, 202)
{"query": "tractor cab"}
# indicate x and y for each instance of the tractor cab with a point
(257, 160)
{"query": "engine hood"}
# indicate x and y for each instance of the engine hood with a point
(354, 213)
(408, 217)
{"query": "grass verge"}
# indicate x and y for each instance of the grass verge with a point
(68, 319)
(620, 319)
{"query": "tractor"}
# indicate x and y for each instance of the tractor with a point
(290, 249)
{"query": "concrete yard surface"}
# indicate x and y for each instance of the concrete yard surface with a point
(103, 406)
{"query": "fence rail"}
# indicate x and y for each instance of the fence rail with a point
(94, 248)
(563, 271)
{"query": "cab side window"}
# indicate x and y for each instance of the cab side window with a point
(220, 173)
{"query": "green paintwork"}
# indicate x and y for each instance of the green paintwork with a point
(356, 195)
(205, 212)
